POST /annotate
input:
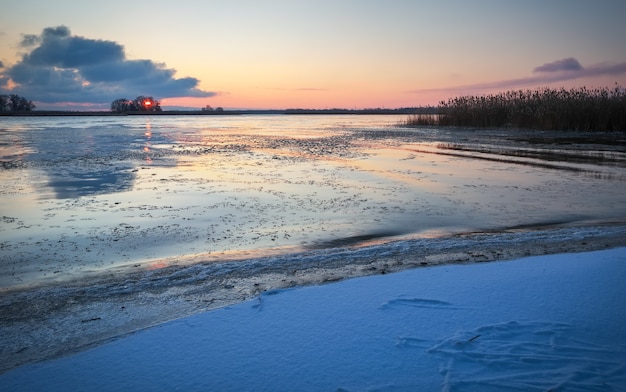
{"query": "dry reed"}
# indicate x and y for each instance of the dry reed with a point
(578, 109)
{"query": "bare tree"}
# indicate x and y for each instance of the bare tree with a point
(121, 105)
(139, 104)
(15, 103)
(146, 104)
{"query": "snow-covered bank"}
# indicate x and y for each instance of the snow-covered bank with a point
(538, 323)
(51, 321)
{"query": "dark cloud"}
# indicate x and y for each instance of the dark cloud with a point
(1, 64)
(129, 70)
(59, 31)
(73, 52)
(568, 64)
(62, 67)
(556, 71)
(29, 40)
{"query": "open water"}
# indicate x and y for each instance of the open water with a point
(90, 195)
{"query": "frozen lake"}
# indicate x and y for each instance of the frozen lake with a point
(95, 195)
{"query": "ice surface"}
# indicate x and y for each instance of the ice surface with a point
(539, 323)
(94, 195)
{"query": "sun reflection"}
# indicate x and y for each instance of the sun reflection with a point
(148, 134)
(146, 151)
(160, 264)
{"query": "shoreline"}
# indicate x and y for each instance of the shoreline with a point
(50, 322)
(226, 112)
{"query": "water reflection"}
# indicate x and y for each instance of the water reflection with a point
(603, 158)
(597, 165)
(97, 161)
(148, 143)
(85, 183)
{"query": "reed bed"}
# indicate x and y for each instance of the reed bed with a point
(578, 109)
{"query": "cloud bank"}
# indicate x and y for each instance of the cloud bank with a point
(61, 67)
(556, 71)
(568, 64)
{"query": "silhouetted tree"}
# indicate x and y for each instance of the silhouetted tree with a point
(121, 105)
(146, 104)
(139, 104)
(15, 103)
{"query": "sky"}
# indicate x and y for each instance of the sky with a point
(307, 54)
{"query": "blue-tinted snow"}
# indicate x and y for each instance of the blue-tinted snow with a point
(538, 323)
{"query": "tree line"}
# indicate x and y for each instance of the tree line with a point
(15, 103)
(139, 104)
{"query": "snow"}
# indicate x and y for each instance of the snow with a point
(551, 322)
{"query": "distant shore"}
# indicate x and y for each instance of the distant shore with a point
(38, 113)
